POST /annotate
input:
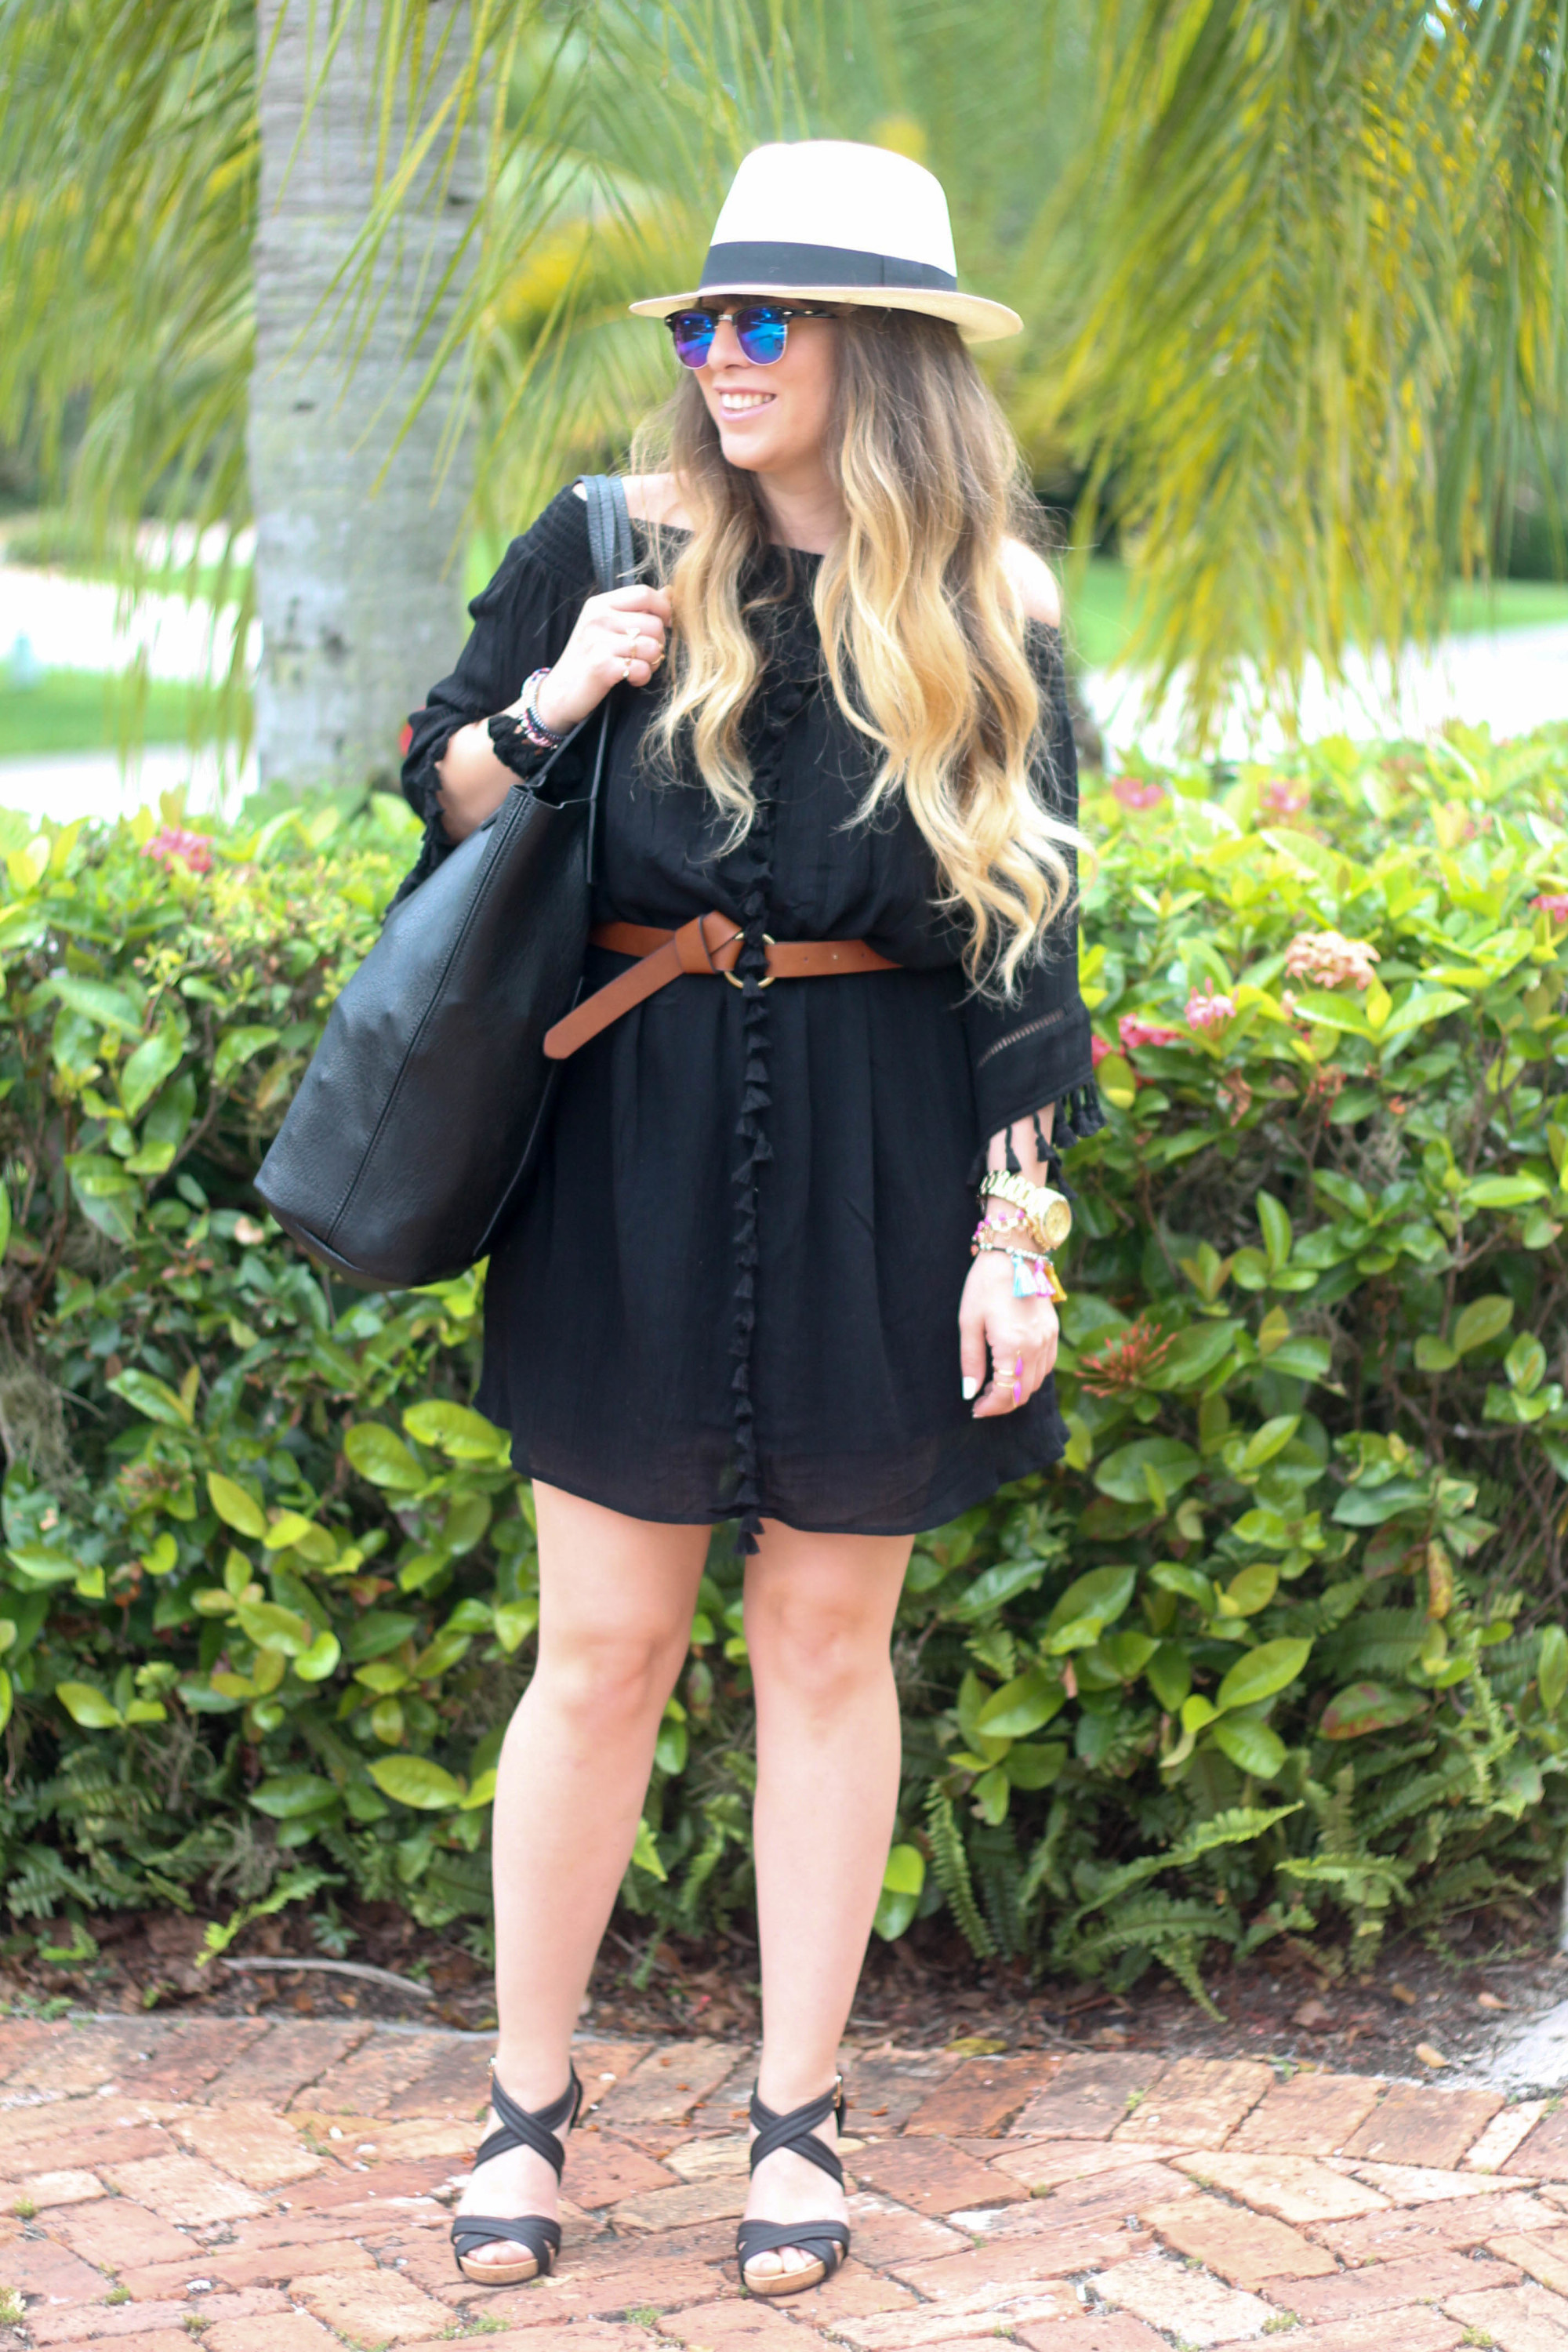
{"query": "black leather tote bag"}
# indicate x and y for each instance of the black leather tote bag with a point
(420, 1118)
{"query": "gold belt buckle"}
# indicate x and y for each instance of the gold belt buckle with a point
(769, 940)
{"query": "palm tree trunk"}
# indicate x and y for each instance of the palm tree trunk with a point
(360, 588)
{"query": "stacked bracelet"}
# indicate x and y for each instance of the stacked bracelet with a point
(1034, 1275)
(542, 738)
(1046, 1212)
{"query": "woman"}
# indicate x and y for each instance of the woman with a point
(730, 1292)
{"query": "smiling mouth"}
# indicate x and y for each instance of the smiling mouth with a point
(740, 404)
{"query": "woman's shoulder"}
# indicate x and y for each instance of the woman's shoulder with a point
(554, 553)
(650, 498)
(1035, 582)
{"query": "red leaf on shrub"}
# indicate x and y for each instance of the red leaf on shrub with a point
(1368, 1707)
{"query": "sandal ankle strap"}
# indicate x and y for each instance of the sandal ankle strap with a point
(534, 2128)
(797, 2131)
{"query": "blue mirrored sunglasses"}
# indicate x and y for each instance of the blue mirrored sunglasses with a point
(762, 330)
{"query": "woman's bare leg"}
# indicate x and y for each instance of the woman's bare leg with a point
(615, 1602)
(819, 1619)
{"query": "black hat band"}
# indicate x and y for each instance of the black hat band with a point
(768, 263)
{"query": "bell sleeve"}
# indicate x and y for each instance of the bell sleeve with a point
(1036, 1048)
(522, 622)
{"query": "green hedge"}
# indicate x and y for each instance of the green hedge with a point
(1277, 1652)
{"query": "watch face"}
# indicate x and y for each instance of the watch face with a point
(1056, 1223)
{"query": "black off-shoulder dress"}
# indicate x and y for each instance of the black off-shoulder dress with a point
(731, 1291)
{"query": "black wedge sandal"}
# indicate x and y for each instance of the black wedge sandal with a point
(518, 2129)
(828, 2240)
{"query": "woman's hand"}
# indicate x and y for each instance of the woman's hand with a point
(619, 635)
(1021, 1334)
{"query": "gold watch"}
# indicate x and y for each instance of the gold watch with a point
(1048, 1212)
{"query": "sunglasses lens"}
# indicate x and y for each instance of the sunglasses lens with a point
(761, 331)
(693, 334)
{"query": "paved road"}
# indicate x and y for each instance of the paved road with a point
(286, 2187)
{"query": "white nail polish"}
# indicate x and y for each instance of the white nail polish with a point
(971, 1389)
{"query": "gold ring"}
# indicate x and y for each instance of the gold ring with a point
(768, 980)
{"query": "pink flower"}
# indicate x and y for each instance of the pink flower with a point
(194, 850)
(1209, 1011)
(1099, 1047)
(1135, 1032)
(1553, 904)
(1137, 792)
(1285, 799)
(1329, 959)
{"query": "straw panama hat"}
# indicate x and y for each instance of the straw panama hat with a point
(828, 220)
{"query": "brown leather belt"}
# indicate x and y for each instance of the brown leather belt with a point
(709, 943)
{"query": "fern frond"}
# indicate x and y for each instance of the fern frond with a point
(951, 1867)
(1042, 1869)
(1237, 1825)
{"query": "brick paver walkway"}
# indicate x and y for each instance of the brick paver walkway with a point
(286, 2187)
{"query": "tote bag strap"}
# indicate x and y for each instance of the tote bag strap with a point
(615, 566)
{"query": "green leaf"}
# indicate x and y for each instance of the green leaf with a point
(1022, 1706)
(1483, 1320)
(4, 1220)
(110, 1008)
(1502, 1192)
(152, 1397)
(1552, 1667)
(466, 1436)
(1302, 1358)
(1102, 1594)
(1362, 1708)
(382, 1457)
(1250, 1589)
(1434, 1355)
(271, 1628)
(1120, 1475)
(1278, 1234)
(294, 1796)
(233, 1507)
(416, 1780)
(1331, 1012)
(378, 1633)
(237, 1047)
(1426, 1005)
(1262, 1671)
(1525, 1364)
(1194, 1354)
(144, 1071)
(315, 1664)
(1271, 1440)
(1035, 1764)
(644, 1854)
(903, 1883)
(1125, 1654)
(36, 1564)
(995, 1588)
(88, 1706)
(514, 1622)
(1169, 1675)
(1250, 1745)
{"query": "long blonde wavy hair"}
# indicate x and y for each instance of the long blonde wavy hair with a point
(921, 625)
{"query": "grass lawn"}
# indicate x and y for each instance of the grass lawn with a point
(78, 710)
(1097, 607)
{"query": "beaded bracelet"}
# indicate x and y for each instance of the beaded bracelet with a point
(1033, 1277)
(542, 738)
